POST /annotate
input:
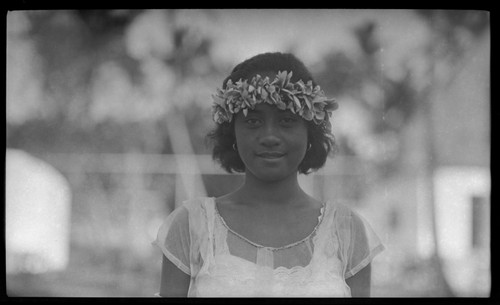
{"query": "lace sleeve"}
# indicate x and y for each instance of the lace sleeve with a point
(360, 244)
(173, 239)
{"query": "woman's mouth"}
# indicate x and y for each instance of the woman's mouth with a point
(270, 154)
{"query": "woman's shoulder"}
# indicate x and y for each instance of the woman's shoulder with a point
(340, 208)
(197, 203)
(191, 214)
(199, 209)
(345, 215)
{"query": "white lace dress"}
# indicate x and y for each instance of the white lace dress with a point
(223, 263)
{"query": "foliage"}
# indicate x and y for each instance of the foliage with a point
(74, 49)
(300, 98)
(398, 100)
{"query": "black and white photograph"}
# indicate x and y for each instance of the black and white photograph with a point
(248, 153)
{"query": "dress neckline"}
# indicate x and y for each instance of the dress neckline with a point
(320, 220)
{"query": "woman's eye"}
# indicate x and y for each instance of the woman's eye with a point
(289, 120)
(252, 122)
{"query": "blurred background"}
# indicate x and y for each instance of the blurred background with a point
(107, 113)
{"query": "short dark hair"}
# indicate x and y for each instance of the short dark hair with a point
(319, 137)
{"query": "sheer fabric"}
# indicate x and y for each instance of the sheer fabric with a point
(223, 263)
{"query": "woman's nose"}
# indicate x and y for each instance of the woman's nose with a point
(270, 137)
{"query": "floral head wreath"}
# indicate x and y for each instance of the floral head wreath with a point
(300, 98)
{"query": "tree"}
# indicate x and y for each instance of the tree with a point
(69, 48)
(98, 94)
(445, 48)
(403, 99)
(389, 102)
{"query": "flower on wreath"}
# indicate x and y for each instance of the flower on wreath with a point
(300, 98)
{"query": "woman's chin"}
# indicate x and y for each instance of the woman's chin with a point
(272, 175)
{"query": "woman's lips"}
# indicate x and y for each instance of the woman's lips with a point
(271, 154)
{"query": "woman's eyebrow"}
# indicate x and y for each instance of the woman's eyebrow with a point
(287, 112)
(255, 111)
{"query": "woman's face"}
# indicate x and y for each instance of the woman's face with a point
(271, 142)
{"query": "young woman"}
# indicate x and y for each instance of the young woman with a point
(268, 237)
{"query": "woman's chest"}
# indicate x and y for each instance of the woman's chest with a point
(271, 228)
(232, 276)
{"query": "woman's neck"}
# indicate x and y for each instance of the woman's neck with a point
(275, 193)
